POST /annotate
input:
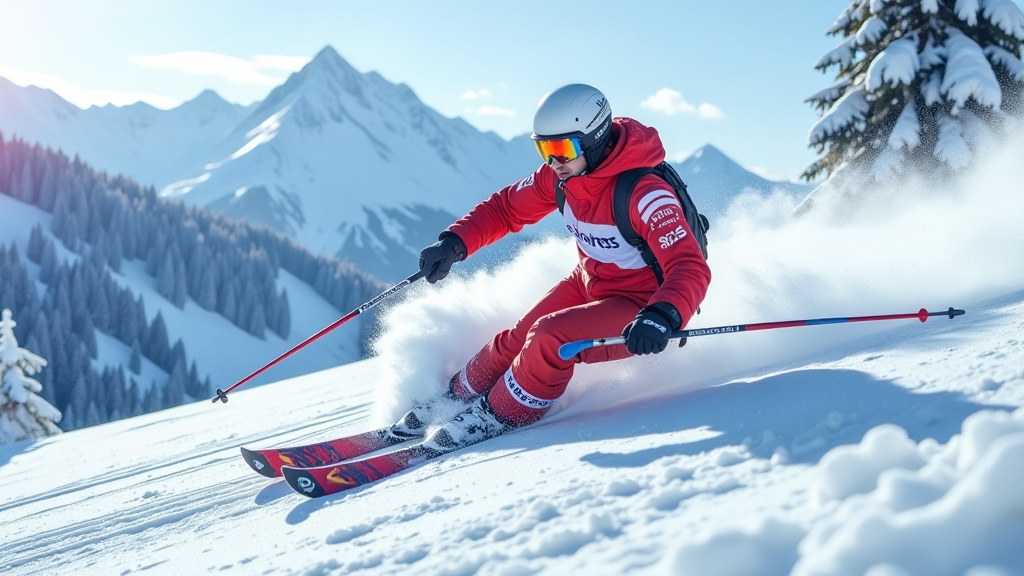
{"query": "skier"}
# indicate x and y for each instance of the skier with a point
(516, 377)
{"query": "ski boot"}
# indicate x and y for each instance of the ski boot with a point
(415, 422)
(476, 424)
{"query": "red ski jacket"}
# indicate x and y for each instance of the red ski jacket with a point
(610, 266)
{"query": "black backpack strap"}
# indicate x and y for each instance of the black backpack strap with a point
(623, 191)
(559, 195)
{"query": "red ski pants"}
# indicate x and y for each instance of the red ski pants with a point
(521, 367)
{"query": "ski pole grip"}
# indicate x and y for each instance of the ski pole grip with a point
(953, 312)
(569, 350)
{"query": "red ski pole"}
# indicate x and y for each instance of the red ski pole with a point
(567, 351)
(222, 395)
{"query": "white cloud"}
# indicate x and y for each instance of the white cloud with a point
(762, 172)
(710, 111)
(236, 70)
(668, 101)
(476, 94)
(679, 156)
(495, 111)
(671, 102)
(85, 97)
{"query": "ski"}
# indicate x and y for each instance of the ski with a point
(269, 462)
(318, 481)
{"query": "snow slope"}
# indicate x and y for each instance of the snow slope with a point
(727, 479)
(888, 449)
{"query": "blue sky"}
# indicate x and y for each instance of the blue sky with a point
(733, 73)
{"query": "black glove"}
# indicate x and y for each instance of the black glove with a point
(649, 332)
(437, 259)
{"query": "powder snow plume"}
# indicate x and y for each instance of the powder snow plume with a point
(901, 248)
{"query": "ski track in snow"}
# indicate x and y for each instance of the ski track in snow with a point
(649, 486)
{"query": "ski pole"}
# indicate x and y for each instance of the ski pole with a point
(222, 395)
(568, 350)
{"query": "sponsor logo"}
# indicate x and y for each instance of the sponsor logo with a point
(601, 113)
(672, 237)
(528, 181)
(662, 214)
(657, 202)
(650, 322)
(257, 464)
(609, 243)
(306, 484)
(709, 331)
(663, 218)
(669, 222)
(522, 396)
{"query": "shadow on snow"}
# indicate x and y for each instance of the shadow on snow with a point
(809, 412)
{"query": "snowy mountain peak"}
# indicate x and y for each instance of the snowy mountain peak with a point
(714, 180)
(208, 98)
(321, 91)
(329, 57)
(708, 154)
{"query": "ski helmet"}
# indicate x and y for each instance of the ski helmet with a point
(576, 110)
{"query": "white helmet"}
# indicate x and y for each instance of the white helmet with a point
(576, 110)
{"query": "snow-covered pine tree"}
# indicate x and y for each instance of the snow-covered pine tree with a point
(23, 414)
(920, 82)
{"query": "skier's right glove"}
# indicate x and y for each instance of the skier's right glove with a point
(650, 331)
(437, 259)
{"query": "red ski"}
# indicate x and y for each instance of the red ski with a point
(318, 481)
(269, 462)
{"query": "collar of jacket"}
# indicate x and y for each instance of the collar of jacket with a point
(636, 146)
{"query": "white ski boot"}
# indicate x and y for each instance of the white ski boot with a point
(476, 424)
(415, 422)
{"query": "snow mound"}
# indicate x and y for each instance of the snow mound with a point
(849, 470)
(762, 550)
(973, 518)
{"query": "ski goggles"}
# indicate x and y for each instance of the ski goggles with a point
(563, 149)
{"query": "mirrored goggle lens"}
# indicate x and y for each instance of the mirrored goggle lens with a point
(564, 150)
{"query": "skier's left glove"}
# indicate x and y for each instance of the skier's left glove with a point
(437, 259)
(650, 331)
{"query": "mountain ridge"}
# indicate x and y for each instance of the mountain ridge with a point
(349, 164)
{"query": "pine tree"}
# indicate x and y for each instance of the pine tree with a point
(116, 252)
(922, 83)
(26, 187)
(23, 414)
(78, 402)
(48, 263)
(158, 344)
(165, 283)
(135, 363)
(207, 295)
(36, 243)
(174, 389)
(284, 316)
(48, 186)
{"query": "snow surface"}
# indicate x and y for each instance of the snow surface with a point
(880, 449)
